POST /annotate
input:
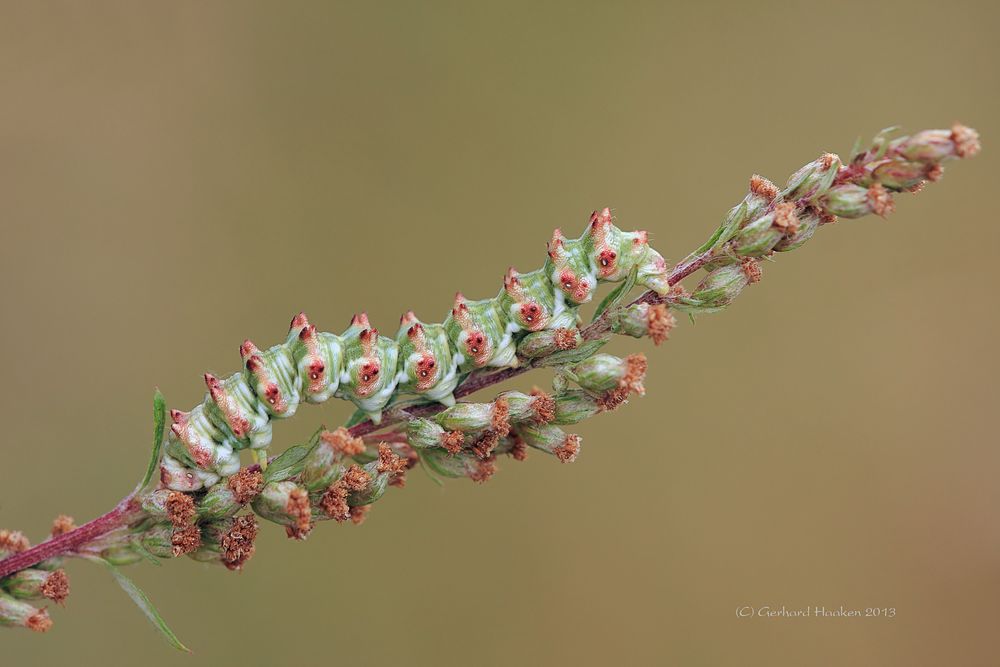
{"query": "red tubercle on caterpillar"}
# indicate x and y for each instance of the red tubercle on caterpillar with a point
(317, 368)
(202, 456)
(512, 284)
(476, 344)
(409, 317)
(361, 320)
(254, 364)
(371, 366)
(427, 366)
(239, 425)
(556, 248)
(299, 321)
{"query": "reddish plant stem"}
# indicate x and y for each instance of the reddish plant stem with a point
(71, 541)
(120, 515)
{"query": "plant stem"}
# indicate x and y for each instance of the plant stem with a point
(70, 542)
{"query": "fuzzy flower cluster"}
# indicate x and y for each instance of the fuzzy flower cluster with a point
(207, 507)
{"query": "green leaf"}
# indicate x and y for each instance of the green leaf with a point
(585, 351)
(618, 294)
(145, 606)
(289, 464)
(358, 417)
(856, 149)
(159, 424)
(140, 548)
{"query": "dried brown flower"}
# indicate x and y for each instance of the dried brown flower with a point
(246, 484)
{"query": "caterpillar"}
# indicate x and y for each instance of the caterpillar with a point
(426, 360)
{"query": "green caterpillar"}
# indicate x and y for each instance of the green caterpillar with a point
(426, 360)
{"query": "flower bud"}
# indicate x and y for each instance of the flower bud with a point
(15, 613)
(543, 343)
(466, 417)
(806, 225)
(287, 504)
(120, 555)
(158, 540)
(574, 405)
(322, 466)
(229, 541)
(423, 433)
(937, 145)
(813, 179)
(901, 174)
(12, 542)
(462, 464)
(854, 201)
(643, 319)
(551, 439)
(760, 236)
(35, 584)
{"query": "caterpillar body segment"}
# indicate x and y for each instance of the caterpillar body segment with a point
(615, 253)
(481, 334)
(427, 364)
(318, 357)
(369, 377)
(428, 360)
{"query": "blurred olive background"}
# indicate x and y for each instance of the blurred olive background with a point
(175, 177)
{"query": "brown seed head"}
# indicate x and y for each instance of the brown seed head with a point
(934, 173)
(631, 382)
(334, 502)
(61, 525)
(342, 441)
(659, 323)
(500, 420)
(966, 140)
(485, 444)
(785, 217)
(388, 461)
(543, 407)
(246, 484)
(484, 470)
(180, 509)
(359, 514)
(13, 541)
(185, 540)
(566, 452)
(453, 441)
(520, 449)
(238, 542)
(356, 479)
(762, 187)
(751, 267)
(399, 481)
(39, 621)
(880, 200)
(56, 587)
(298, 507)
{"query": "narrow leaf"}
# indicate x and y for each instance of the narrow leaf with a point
(358, 417)
(288, 464)
(140, 548)
(618, 294)
(159, 423)
(145, 606)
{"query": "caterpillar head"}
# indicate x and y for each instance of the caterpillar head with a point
(315, 367)
(422, 366)
(474, 342)
(369, 369)
(527, 312)
(570, 270)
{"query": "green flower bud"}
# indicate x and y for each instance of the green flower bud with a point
(158, 540)
(938, 145)
(466, 417)
(575, 405)
(462, 464)
(721, 286)
(551, 439)
(813, 179)
(611, 379)
(543, 343)
(15, 613)
(120, 555)
(807, 225)
(218, 503)
(643, 319)
(287, 504)
(903, 175)
(36, 584)
(854, 201)
(423, 433)
(759, 237)
(322, 466)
